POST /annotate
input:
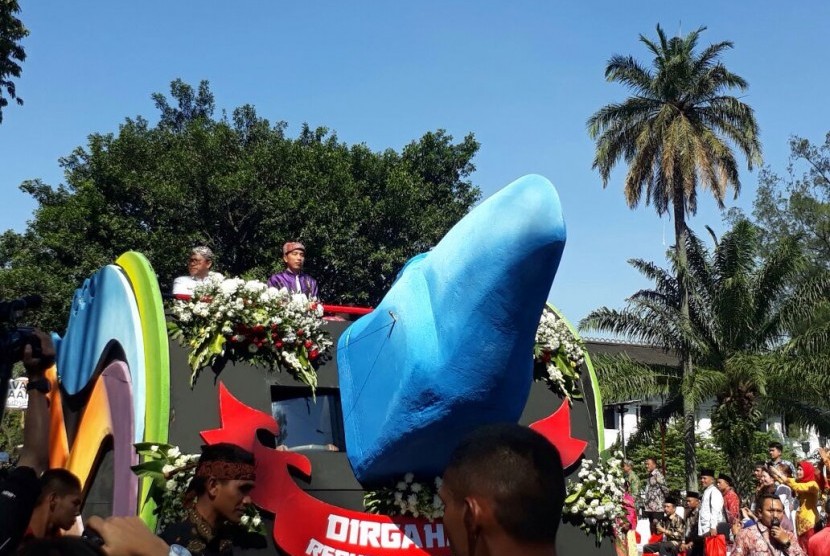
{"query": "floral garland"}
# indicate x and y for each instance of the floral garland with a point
(406, 497)
(171, 472)
(233, 319)
(594, 502)
(557, 355)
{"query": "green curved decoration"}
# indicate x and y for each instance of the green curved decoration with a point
(157, 360)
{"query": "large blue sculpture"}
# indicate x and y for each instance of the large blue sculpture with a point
(450, 346)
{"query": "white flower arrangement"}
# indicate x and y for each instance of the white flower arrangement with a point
(407, 497)
(557, 355)
(232, 319)
(594, 502)
(171, 472)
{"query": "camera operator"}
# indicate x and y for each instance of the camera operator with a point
(20, 490)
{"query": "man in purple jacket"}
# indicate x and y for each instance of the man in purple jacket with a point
(293, 278)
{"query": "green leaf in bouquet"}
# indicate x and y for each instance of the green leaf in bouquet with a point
(217, 344)
(146, 449)
(573, 497)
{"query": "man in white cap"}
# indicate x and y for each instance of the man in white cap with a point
(293, 278)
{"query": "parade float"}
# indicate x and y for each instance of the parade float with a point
(351, 420)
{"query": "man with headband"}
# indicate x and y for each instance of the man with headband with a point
(293, 278)
(215, 501)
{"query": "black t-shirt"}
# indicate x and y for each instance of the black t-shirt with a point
(18, 495)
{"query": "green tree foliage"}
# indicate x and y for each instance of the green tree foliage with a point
(740, 313)
(243, 187)
(798, 205)
(12, 53)
(675, 134)
(11, 431)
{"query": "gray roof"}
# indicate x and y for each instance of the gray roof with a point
(642, 353)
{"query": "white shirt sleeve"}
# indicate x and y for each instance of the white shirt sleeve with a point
(704, 514)
(183, 285)
(717, 508)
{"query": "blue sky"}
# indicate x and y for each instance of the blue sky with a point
(523, 76)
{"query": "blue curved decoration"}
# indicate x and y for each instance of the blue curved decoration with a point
(449, 347)
(104, 313)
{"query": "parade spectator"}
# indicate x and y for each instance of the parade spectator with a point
(731, 501)
(672, 528)
(785, 493)
(806, 489)
(198, 266)
(757, 473)
(503, 492)
(20, 490)
(215, 501)
(625, 540)
(775, 449)
(654, 494)
(819, 544)
(766, 537)
(711, 506)
(786, 523)
(58, 506)
(631, 479)
(692, 541)
(824, 456)
(293, 278)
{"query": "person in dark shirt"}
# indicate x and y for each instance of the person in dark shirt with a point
(672, 527)
(20, 490)
(215, 501)
(58, 506)
(692, 543)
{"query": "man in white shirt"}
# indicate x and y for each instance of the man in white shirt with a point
(198, 265)
(711, 505)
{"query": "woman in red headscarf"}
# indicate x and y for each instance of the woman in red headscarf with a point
(806, 488)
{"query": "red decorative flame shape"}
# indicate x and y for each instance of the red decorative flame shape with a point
(557, 429)
(238, 423)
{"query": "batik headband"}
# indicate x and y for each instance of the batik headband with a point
(226, 471)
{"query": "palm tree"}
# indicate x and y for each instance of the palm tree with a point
(739, 335)
(675, 133)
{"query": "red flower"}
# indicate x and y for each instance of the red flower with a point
(278, 345)
(300, 332)
(308, 344)
(313, 354)
(258, 329)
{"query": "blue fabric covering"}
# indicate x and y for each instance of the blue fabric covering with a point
(450, 346)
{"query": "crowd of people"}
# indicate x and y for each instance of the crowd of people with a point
(781, 516)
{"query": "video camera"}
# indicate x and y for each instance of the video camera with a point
(14, 338)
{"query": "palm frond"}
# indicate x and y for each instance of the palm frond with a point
(621, 378)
